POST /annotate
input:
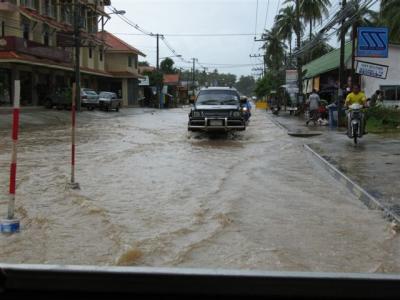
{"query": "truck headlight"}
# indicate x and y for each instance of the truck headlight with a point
(236, 114)
(196, 114)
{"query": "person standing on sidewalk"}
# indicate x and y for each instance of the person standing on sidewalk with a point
(313, 106)
(376, 99)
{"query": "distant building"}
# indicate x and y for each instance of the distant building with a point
(121, 61)
(36, 47)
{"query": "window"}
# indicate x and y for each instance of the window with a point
(46, 38)
(129, 61)
(218, 97)
(101, 54)
(32, 4)
(67, 14)
(391, 92)
(136, 62)
(46, 8)
(25, 31)
(46, 35)
(90, 52)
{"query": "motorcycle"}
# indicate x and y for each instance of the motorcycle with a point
(246, 113)
(275, 110)
(355, 120)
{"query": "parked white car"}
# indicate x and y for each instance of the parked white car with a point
(108, 101)
(89, 98)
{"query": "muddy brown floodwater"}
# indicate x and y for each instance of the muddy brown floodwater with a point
(153, 194)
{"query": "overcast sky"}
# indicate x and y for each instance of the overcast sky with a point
(198, 17)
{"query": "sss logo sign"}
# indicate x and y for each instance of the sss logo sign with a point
(373, 42)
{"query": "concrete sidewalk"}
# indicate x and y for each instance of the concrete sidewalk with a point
(374, 163)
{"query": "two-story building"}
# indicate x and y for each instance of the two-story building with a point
(36, 47)
(121, 61)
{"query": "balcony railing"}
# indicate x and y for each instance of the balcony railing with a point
(21, 45)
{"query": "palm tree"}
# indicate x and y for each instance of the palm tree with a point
(390, 16)
(362, 16)
(285, 23)
(321, 48)
(314, 11)
(274, 49)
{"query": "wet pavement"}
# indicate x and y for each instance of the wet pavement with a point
(153, 194)
(374, 163)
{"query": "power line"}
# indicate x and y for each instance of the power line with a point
(330, 25)
(255, 27)
(191, 34)
(266, 16)
(277, 7)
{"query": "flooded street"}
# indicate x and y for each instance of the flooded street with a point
(153, 194)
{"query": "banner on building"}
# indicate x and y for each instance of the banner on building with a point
(371, 69)
(291, 76)
(144, 81)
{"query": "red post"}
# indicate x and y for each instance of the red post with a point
(73, 184)
(13, 166)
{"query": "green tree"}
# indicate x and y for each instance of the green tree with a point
(167, 66)
(270, 82)
(285, 23)
(363, 16)
(313, 11)
(274, 49)
(390, 16)
(318, 50)
(246, 85)
(143, 64)
(155, 78)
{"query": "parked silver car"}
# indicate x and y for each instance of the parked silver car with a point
(89, 98)
(108, 101)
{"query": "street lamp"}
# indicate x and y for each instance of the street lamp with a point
(170, 56)
(117, 12)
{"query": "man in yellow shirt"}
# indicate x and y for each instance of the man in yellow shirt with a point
(356, 96)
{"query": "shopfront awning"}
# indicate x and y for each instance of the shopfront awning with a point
(326, 63)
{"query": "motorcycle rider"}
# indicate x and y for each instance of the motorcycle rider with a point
(356, 97)
(313, 105)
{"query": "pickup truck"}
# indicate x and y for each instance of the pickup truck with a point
(217, 109)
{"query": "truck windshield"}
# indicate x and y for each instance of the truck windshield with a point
(217, 97)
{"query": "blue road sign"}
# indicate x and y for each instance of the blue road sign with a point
(373, 42)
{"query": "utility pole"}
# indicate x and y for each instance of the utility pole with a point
(194, 74)
(298, 43)
(194, 70)
(342, 70)
(159, 94)
(158, 52)
(77, 34)
(353, 54)
(264, 61)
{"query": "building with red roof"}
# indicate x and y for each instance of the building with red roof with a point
(36, 47)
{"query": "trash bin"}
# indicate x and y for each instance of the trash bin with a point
(333, 115)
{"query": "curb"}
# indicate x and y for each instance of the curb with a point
(277, 123)
(361, 194)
